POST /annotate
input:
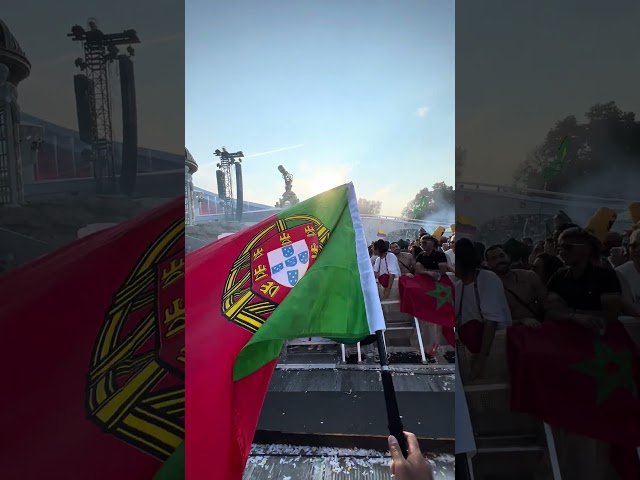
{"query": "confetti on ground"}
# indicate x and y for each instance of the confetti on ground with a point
(281, 461)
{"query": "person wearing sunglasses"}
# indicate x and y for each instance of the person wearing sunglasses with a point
(589, 295)
(431, 261)
(582, 292)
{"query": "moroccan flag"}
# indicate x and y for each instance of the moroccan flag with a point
(304, 272)
(430, 301)
(585, 384)
(94, 337)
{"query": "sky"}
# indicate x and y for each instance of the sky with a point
(522, 66)
(358, 91)
(159, 62)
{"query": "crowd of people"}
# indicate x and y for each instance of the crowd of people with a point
(502, 228)
(425, 255)
(572, 276)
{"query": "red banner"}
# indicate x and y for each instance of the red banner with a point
(94, 335)
(430, 301)
(570, 378)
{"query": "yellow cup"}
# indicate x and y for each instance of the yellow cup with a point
(601, 222)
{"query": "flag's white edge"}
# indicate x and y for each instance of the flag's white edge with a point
(372, 305)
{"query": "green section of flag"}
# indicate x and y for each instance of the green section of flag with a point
(562, 149)
(442, 294)
(173, 468)
(327, 301)
(611, 370)
(555, 167)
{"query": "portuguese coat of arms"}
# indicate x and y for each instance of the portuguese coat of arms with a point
(269, 266)
(135, 385)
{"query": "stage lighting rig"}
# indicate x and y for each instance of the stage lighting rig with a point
(100, 50)
(225, 182)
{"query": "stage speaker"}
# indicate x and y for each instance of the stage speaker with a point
(222, 193)
(85, 106)
(129, 169)
(240, 194)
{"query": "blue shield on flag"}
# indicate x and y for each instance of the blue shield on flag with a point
(287, 265)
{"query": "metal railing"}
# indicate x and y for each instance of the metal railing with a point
(532, 192)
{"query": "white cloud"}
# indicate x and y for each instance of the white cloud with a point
(422, 112)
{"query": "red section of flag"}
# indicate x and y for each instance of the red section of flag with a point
(222, 415)
(587, 385)
(430, 301)
(95, 350)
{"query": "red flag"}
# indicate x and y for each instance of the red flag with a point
(222, 415)
(290, 276)
(430, 301)
(585, 384)
(95, 335)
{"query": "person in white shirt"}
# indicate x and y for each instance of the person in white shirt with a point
(493, 302)
(489, 306)
(451, 255)
(386, 264)
(372, 257)
(629, 275)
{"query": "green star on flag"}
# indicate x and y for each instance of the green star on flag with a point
(442, 294)
(611, 370)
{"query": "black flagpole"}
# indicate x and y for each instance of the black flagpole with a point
(393, 413)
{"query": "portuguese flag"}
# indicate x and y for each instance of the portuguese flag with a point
(584, 384)
(430, 301)
(94, 340)
(302, 273)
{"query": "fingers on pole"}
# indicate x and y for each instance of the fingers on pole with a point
(412, 444)
(394, 448)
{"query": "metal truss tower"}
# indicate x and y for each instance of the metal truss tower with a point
(100, 50)
(225, 182)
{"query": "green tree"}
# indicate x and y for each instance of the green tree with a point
(369, 207)
(439, 197)
(609, 138)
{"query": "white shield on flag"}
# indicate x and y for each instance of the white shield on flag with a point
(289, 264)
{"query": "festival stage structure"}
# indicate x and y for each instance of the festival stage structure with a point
(93, 103)
(232, 209)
